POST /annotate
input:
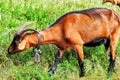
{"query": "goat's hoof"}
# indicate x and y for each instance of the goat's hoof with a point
(82, 75)
(109, 74)
(50, 73)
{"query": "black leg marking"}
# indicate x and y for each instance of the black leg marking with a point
(107, 44)
(81, 64)
(111, 66)
(57, 60)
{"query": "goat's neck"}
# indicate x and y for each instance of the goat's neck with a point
(48, 36)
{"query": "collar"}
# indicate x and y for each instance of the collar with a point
(37, 48)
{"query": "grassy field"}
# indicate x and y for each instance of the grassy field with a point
(13, 13)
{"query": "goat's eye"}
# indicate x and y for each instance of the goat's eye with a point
(18, 40)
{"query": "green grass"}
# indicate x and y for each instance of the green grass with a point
(13, 13)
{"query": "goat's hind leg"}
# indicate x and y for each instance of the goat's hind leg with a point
(58, 57)
(113, 44)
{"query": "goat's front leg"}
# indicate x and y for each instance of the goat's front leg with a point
(81, 64)
(80, 54)
(58, 57)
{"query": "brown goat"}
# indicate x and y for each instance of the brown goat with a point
(116, 2)
(73, 30)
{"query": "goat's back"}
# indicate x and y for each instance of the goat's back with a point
(90, 24)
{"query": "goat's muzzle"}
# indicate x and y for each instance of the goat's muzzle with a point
(9, 52)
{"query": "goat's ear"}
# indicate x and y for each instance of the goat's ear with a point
(21, 45)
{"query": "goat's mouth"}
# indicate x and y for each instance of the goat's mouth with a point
(8, 53)
(10, 50)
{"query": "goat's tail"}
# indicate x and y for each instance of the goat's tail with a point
(118, 17)
(116, 14)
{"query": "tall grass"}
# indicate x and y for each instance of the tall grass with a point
(13, 13)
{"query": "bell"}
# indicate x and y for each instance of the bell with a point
(37, 58)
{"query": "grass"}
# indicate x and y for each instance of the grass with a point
(13, 13)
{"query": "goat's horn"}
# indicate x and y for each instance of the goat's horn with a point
(23, 28)
(28, 29)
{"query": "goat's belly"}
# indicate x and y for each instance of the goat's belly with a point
(96, 42)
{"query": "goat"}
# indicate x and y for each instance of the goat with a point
(73, 30)
(116, 2)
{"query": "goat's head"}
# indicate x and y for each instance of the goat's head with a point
(19, 42)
